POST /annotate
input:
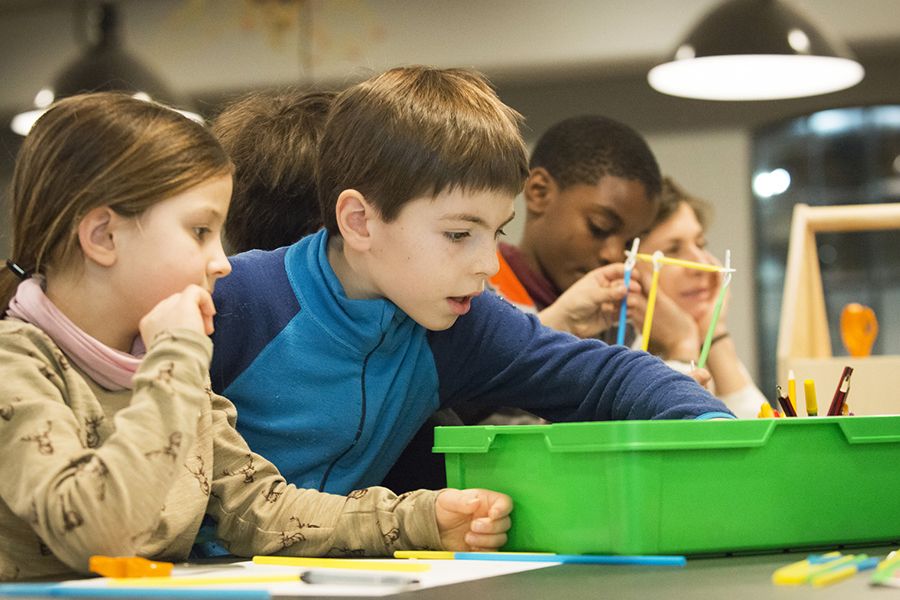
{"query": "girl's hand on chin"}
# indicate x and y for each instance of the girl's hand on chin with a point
(192, 308)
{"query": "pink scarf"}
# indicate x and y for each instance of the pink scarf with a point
(107, 366)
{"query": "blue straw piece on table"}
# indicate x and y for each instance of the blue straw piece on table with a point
(581, 559)
(72, 591)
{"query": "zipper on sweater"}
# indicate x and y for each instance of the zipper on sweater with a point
(362, 416)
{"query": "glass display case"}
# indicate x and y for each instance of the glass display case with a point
(832, 157)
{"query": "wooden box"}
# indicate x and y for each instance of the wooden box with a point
(804, 343)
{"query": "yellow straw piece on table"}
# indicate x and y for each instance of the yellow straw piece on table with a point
(343, 563)
(884, 570)
(861, 562)
(891, 559)
(446, 555)
(195, 581)
(833, 576)
(799, 573)
(425, 554)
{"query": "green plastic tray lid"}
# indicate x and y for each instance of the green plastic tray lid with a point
(663, 435)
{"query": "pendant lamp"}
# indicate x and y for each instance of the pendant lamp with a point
(104, 66)
(756, 50)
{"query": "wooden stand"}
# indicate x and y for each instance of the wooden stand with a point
(804, 344)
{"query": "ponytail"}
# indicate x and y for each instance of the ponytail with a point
(8, 284)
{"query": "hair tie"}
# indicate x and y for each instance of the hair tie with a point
(17, 270)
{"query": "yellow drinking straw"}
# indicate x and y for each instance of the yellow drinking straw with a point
(678, 262)
(651, 299)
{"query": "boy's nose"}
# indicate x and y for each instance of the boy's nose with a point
(489, 264)
(612, 250)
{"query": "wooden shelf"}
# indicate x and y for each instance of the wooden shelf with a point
(804, 343)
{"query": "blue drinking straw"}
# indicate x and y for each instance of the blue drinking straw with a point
(629, 265)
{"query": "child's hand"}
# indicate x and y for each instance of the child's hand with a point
(191, 308)
(701, 376)
(472, 520)
(591, 304)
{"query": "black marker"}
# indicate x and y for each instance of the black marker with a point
(338, 577)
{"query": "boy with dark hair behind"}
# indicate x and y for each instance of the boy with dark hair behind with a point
(272, 138)
(337, 348)
(593, 185)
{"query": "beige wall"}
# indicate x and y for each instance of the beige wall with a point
(201, 45)
(714, 165)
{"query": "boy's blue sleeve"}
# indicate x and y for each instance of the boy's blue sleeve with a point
(499, 356)
(253, 305)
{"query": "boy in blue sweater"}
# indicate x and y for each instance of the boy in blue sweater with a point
(337, 348)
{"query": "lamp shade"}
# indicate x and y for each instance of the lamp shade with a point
(104, 66)
(756, 50)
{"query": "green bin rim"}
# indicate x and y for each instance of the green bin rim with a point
(662, 435)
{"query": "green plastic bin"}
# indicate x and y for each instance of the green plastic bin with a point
(687, 487)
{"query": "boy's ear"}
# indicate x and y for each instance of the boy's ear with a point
(95, 235)
(354, 214)
(540, 189)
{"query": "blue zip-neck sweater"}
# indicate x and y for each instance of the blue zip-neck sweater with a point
(332, 389)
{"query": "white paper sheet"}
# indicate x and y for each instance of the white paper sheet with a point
(442, 572)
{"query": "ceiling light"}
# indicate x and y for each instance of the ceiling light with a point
(104, 66)
(756, 50)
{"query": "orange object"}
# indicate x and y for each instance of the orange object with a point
(128, 566)
(509, 286)
(859, 328)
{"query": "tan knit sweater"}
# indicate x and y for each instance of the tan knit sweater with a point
(87, 471)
